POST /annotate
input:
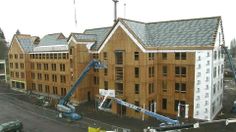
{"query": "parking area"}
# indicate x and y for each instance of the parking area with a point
(39, 119)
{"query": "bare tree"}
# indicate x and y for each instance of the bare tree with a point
(233, 48)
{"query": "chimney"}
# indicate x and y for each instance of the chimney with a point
(115, 9)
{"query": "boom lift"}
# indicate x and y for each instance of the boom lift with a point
(168, 120)
(64, 107)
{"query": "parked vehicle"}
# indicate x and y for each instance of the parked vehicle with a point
(12, 126)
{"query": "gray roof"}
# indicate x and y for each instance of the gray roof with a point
(84, 37)
(101, 34)
(53, 39)
(189, 32)
(27, 44)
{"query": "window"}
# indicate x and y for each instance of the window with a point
(63, 79)
(59, 55)
(39, 76)
(219, 54)
(10, 56)
(105, 71)
(151, 71)
(40, 89)
(11, 65)
(214, 88)
(54, 78)
(136, 72)
(43, 56)
(164, 56)
(12, 74)
(136, 103)
(16, 65)
(45, 66)
(54, 56)
(17, 74)
(33, 86)
(16, 56)
(54, 67)
(151, 88)
(180, 87)
(183, 56)
(62, 67)
(47, 56)
(119, 73)
(38, 66)
(54, 90)
(22, 74)
(215, 55)
(151, 56)
(119, 57)
(164, 85)
(180, 56)
(214, 74)
(136, 88)
(164, 104)
(105, 55)
(22, 66)
(71, 51)
(106, 85)
(180, 71)
(46, 77)
(95, 80)
(47, 90)
(208, 62)
(95, 56)
(63, 91)
(119, 88)
(136, 55)
(222, 69)
(177, 102)
(164, 71)
(218, 70)
(32, 75)
(213, 107)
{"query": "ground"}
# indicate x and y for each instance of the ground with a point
(15, 105)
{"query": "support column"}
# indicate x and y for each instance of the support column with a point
(186, 110)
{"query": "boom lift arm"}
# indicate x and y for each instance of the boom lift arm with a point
(168, 120)
(64, 106)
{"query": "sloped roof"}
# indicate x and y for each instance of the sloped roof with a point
(53, 39)
(84, 37)
(101, 34)
(188, 32)
(25, 42)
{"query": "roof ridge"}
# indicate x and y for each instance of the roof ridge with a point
(132, 20)
(54, 33)
(97, 28)
(177, 20)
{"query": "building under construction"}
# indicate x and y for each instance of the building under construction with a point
(162, 66)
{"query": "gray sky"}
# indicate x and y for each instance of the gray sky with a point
(41, 17)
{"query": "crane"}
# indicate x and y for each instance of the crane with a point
(168, 120)
(64, 107)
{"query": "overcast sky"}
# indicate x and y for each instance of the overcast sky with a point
(41, 17)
